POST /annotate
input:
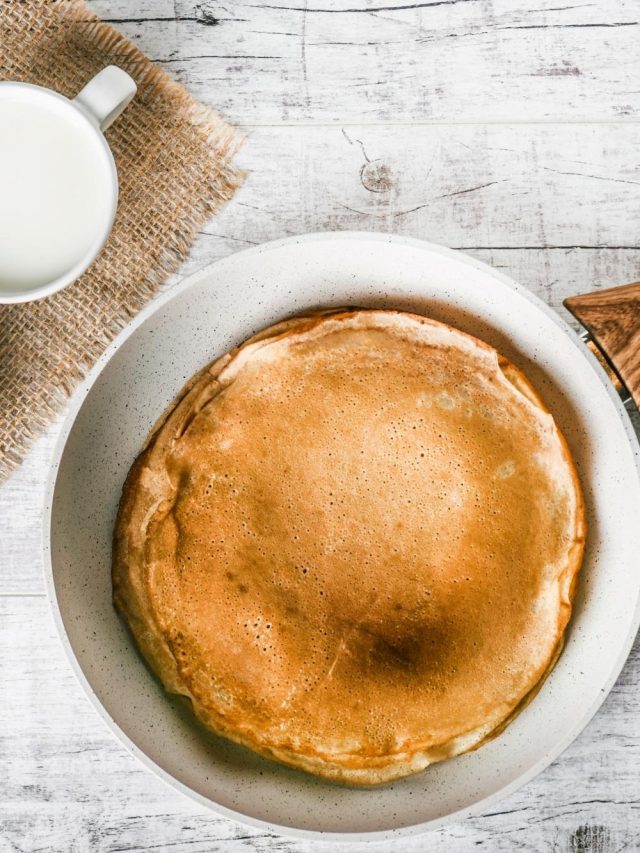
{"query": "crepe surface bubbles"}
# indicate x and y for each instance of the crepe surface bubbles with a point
(352, 544)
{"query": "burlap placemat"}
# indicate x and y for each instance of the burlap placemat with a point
(174, 163)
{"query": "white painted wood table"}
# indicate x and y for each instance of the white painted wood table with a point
(505, 128)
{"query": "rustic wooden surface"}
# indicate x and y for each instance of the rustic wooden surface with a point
(505, 128)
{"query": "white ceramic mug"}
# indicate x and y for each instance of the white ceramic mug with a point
(58, 182)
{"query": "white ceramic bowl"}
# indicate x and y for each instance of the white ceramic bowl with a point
(198, 320)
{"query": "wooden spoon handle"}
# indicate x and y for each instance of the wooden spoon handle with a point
(612, 318)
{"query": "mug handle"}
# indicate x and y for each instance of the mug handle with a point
(106, 95)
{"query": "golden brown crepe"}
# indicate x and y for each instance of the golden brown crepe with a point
(352, 543)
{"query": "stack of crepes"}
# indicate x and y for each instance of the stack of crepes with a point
(352, 543)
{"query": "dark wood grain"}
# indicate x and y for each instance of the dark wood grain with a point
(612, 317)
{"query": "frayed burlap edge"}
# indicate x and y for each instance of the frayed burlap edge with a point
(223, 142)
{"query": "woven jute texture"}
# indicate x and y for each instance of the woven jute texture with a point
(174, 165)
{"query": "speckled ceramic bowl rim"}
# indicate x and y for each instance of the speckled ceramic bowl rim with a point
(74, 407)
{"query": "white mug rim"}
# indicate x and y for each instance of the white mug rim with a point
(9, 297)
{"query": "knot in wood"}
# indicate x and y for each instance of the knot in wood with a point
(376, 177)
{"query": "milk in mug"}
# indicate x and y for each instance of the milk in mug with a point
(58, 181)
(55, 189)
